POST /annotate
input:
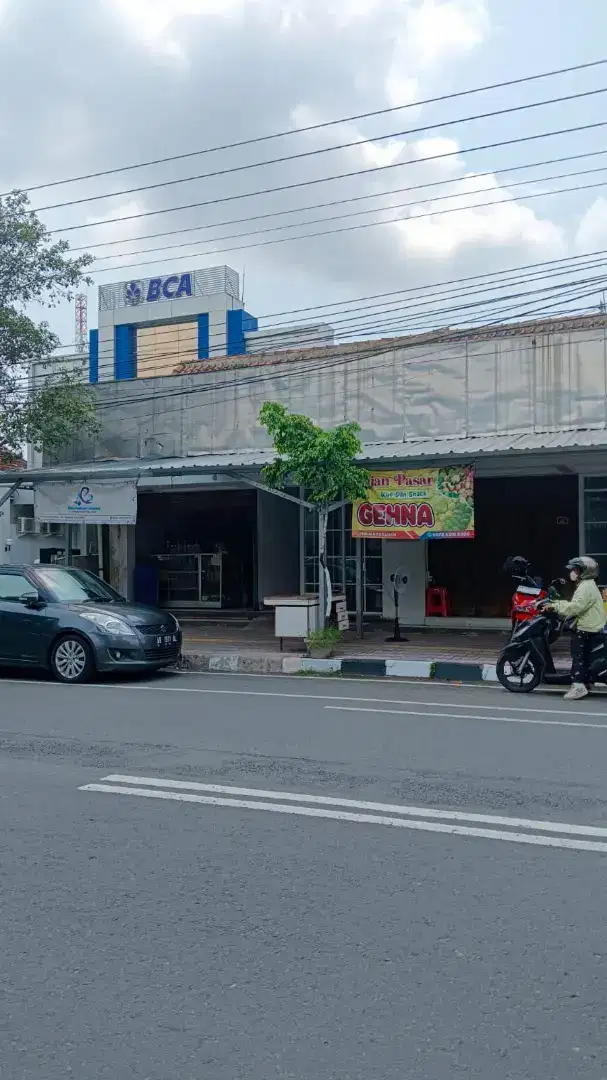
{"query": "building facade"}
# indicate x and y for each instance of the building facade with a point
(525, 405)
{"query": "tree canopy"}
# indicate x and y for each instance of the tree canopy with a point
(36, 271)
(322, 462)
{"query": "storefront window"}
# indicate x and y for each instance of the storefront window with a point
(341, 560)
(595, 521)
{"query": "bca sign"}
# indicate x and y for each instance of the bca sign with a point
(173, 287)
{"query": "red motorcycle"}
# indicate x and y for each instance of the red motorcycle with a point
(529, 590)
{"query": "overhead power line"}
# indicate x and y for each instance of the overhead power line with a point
(338, 176)
(402, 321)
(231, 169)
(424, 290)
(360, 213)
(375, 351)
(408, 315)
(319, 126)
(357, 199)
(349, 228)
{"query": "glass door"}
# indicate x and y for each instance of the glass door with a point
(341, 560)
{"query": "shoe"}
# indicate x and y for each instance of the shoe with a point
(578, 690)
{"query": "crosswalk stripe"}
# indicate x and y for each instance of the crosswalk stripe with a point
(357, 804)
(574, 843)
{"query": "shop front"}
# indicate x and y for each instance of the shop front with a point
(197, 549)
(207, 535)
(451, 529)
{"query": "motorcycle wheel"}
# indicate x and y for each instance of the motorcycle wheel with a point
(518, 676)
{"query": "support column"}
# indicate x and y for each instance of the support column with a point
(122, 559)
(359, 588)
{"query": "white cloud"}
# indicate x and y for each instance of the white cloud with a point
(591, 233)
(502, 224)
(442, 150)
(242, 68)
(439, 30)
(433, 33)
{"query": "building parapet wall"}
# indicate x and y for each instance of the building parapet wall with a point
(503, 380)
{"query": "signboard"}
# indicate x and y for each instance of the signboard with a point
(103, 503)
(149, 291)
(416, 504)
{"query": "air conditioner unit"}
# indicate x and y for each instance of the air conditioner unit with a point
(50, 528)
(26, 526)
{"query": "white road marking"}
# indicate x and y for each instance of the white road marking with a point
(356, 804)
(360, 819)
(463, 716)
(422, 704)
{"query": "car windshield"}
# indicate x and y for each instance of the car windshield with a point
(76, 586)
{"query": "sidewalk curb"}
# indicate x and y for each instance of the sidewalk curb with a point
(276, 664)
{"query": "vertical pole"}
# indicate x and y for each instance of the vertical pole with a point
(322, 562)
(100, 550)
(68, 545)
(581, 502)
(359, 588)
(302, 547)
(342, 540)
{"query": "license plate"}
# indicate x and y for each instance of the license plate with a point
(167, 639)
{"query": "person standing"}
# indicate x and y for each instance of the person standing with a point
(587, 610)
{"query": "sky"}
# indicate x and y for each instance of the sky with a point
(92, 86)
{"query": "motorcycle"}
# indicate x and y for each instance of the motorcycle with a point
(526, 661)
(528, 591)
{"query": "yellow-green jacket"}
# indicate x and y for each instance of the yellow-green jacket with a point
(586, 607)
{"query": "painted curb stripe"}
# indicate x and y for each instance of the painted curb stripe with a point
(453, 672)
(439, 670)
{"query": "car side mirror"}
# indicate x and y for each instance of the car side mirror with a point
(31, 600)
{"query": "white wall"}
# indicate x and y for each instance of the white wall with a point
(408, 557)
(289, 337)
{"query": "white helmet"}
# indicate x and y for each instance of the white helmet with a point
(585, 565)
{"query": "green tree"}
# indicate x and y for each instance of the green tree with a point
(34, 270)
(321, 462)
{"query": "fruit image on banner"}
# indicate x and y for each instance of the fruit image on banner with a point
(431, 504)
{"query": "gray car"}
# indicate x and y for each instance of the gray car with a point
(72, 623)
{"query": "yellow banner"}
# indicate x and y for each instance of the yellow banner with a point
(434, 504)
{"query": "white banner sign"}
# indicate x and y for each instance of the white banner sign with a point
(102, 503)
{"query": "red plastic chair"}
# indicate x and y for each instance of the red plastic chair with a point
(437, 601)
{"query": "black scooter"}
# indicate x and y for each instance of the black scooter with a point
(526, 661)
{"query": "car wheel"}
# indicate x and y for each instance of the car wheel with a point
(72, 659)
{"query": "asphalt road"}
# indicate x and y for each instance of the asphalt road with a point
(180, 898)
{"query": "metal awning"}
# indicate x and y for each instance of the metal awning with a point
(232, 463)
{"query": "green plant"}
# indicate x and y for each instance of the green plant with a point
(327, 638)
(34, 271)
(321, 462)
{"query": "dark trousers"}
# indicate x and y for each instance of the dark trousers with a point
(583, 645)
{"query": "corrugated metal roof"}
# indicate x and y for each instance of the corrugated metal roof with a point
(135, 467)
(472, 446)
(465, 447)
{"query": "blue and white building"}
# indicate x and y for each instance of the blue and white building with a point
(161, 325)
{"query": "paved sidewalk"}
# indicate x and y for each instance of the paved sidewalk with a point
(250, 646)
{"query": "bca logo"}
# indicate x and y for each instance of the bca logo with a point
(133, 292)
(169, 288)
